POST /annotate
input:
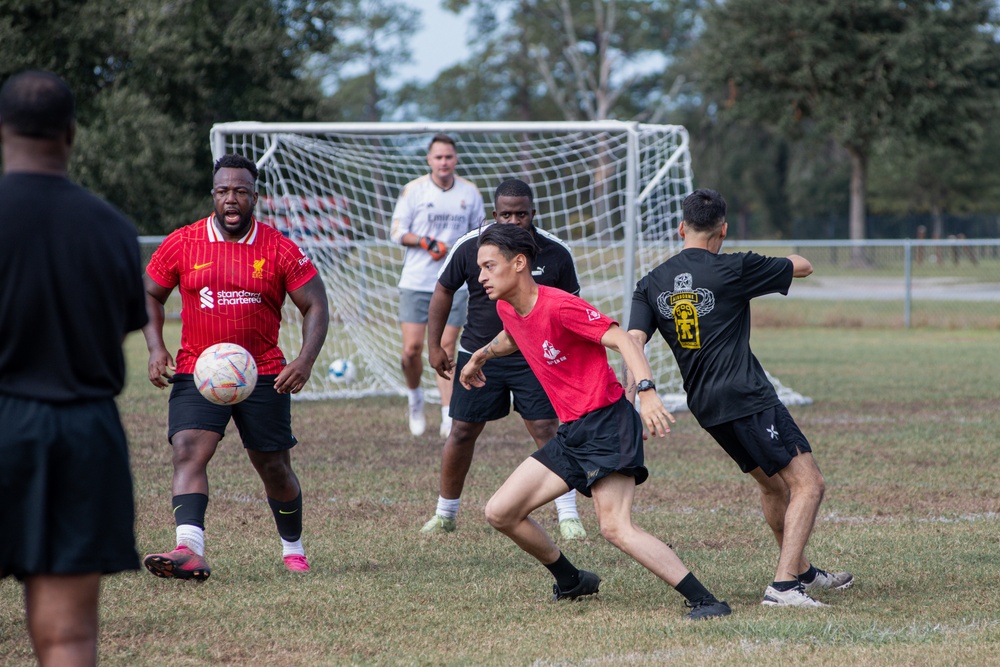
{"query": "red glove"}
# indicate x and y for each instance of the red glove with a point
(437, 249)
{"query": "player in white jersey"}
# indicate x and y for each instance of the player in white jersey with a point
(432, 213)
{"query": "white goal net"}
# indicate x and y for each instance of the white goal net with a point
(611, 190)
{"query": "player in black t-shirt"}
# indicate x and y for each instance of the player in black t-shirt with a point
(70, 291)
(470, 410)
(699, 300)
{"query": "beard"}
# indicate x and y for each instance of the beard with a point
(240, 227)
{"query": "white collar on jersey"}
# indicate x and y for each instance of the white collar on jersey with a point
(214, 235)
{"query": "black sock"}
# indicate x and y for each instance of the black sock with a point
(567, 576)
(784, 586)
(808, 576)
(288, 517)
(189, 509)
(692, 589)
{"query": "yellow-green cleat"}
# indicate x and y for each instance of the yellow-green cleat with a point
(572, 529)
(438, 525)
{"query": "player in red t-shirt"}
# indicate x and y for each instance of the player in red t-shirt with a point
(234, 273)
(598, 448)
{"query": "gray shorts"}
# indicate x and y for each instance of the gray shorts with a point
(413, 307)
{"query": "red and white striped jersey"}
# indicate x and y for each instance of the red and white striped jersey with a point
(231, 292)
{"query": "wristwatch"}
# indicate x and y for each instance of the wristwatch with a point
(645, 385)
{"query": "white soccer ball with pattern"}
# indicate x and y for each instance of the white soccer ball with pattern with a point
(225, 373)
(343, 371)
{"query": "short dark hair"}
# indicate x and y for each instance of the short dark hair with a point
(37, 104)
(704, 209)
(510, 240)
(232, 161)
(441, 139)
(513, 187)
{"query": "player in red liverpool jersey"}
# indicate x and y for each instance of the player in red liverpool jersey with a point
(598, 448)
(233, 273)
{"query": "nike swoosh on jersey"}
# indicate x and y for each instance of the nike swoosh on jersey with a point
(202, 266)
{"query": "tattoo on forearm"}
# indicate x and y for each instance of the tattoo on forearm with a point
(494, 343)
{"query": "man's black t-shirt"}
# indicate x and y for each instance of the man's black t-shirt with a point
(70, 290)
(700, 302)
(553, 267)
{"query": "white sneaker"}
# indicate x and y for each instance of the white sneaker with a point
(829, 581)
(793, 598)
(445, 426)
(418, 422)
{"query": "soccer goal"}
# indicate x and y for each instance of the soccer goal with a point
(612, 190)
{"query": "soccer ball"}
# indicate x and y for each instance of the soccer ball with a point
(342, 371)
(225, 373)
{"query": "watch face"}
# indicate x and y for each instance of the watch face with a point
(645, 385)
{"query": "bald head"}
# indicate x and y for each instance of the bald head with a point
(37, 123)
(36, 104)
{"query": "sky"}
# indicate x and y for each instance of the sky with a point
(439, 44)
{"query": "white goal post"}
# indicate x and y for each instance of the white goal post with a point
(612, 190)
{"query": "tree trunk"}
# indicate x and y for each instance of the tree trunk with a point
(937, 229)
(859, 181)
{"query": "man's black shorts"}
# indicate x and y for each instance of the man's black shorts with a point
(769, 439)
(264, 419)
(65, 489)
(504, 376)
(597, 444)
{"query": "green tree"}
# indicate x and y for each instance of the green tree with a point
(152, 76)
(564, 59)
(373, 40)
(908, 176)
(856, 70)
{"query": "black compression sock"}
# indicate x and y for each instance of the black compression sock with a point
(692, 589)
(288, 517)
(783, 586)
(567, 576)
(189, 509)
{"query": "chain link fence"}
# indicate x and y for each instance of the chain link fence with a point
(948, 284)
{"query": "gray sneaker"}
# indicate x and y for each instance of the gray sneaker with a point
(829, 581)
(795, 597)
(589, 583)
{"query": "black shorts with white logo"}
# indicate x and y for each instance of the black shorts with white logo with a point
(504, 376)
(264, 419)
(597, 444)
(769, 439)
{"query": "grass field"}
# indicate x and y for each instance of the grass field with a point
(905, 425)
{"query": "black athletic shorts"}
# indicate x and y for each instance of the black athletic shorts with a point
(66, 503)
(264, 419)
(504, 376)
(595, 445)
(769, 439)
